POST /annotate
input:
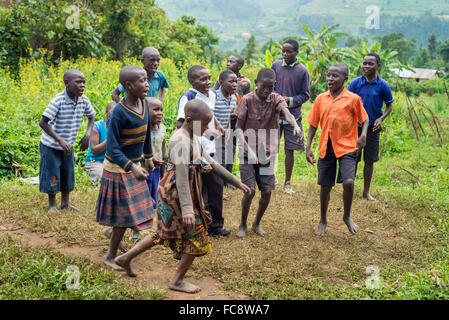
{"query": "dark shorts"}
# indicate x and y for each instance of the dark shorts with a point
(290, 142)
(327, 167)
(262, 174)
(56, 171)
(371, 150)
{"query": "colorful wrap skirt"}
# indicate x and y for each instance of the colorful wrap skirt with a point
(124, 201)
(171, 230)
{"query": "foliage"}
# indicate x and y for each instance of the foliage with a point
(112, 28)
(32, 274)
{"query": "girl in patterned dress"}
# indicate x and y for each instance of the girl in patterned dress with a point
(182, 220)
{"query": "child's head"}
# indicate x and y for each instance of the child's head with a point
(134, 80)
(265, 82)
(290, 50)
(337, 75)
(156, 111)
(197, 110)
(371, 64)
(199, 78)
(150, 59)
(235, 63)
(228, 82)
(75, 83)
(109, 108)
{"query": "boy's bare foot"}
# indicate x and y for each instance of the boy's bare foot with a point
(351, 225)
(125, 264)
(184, 286)
(319, 231)
(110, 263)
(52, 209)
(242, 232)
(258, 230)
(108, 233)
(369, 197)
(69, 207)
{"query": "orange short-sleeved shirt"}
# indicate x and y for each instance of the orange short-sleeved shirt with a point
(338, 120)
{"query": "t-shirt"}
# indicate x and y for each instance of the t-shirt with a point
(223, 108)
(374, 94)
(208, 145)
(292, 81)
(65, 118)
(100, 128)
(261, 121)
(155, 83)
(338, 120)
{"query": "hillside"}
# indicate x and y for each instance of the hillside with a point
(266, 18)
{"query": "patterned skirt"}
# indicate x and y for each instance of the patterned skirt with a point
(169, 215)
(197, 246)
(124, 201)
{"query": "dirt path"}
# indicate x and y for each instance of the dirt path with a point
(149, 274)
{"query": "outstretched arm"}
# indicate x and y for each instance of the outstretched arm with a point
(292, 121)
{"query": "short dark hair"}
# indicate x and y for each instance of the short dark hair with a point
(266, 73)
(293, 43)
(193, 71)
(196, 109)
(239, 59)
(129, 73)
(342, 67)
(224, 75)
(375, 55)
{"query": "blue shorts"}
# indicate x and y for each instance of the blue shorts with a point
(56, 171)
(153, 182)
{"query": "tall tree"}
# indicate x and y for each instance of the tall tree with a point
(250, 49)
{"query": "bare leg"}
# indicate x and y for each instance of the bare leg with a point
(263, 204)
(289, 161)
(108, 233)
(348, 193)
(177, 283)
(124, 260)
(52, 203)
(116, 238)
(367, 176)
(325, 195)
(65, 202)
(246, 205)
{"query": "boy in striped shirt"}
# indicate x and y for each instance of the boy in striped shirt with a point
(60, 123)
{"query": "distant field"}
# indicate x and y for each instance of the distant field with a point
(266, 18)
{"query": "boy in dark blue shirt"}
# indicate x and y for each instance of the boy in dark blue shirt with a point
(374, 92)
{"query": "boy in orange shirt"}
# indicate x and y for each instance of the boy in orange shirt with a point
(337, 111)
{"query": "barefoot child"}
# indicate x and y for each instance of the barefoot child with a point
(374, 92)
(337, 112)
(158, 136)
(60, 123)
(124, 200)
(182, 219)
(157, 81)
(259, 113)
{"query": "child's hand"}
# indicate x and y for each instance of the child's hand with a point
(84, 142)
(309, 156)
(377, 125)
(189, 220)
(139, 172)
(298, 133)
(66, 147)
(245, 188)
(149, 165)
(157, 162)
(233, 116)
(361, 142)
(206, 168)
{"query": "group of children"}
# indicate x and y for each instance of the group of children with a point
(183, 185)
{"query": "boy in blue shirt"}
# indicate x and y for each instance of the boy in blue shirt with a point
(60, 123)
(374, 92)
(156, 79)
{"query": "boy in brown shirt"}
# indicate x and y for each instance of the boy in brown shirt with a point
(257, 128)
